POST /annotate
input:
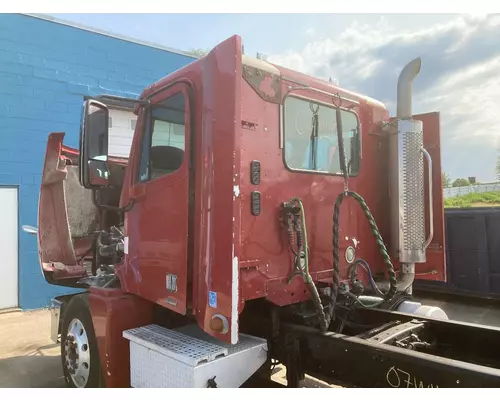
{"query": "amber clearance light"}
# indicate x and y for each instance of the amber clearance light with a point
(219, 323)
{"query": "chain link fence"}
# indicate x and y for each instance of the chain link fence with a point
(463, 190)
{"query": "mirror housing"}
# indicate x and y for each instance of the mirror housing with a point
(93, 158)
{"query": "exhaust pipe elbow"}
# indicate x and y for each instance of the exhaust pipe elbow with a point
(404, 94)
(405, 280)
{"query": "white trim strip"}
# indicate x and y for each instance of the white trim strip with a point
(106, 33)
(234, 301)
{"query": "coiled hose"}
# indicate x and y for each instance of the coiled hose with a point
(336, 259)
(303, 254)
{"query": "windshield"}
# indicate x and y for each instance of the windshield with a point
(310, 134)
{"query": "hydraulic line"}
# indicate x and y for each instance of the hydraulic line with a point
(353, 273)
(302, 261)
(302, 255)
(336, 259)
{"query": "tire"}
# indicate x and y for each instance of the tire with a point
(79, 354)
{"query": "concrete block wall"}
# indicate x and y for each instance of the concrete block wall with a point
(45, 70)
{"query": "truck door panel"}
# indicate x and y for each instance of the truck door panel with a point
(157, 225)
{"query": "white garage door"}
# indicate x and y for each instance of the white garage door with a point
(8, 249)
(121, 131)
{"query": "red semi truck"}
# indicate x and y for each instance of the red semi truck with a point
(248, 227)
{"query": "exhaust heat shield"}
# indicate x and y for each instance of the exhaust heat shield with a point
(406, 172)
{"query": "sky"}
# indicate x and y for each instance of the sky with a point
(460, 74)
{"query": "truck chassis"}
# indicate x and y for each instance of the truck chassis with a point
(368, 362)
(389, 349)
(460, 355)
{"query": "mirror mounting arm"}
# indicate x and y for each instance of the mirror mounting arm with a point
(125, 209)
(141, 102)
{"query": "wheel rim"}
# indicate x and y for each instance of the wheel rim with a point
(77, 353)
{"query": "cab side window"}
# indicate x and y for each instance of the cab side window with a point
(164, 142)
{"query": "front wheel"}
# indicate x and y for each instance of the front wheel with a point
(79, 354)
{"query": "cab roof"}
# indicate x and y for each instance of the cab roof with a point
(283, 72)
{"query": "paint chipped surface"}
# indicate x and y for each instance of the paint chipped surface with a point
(236, 190)
(355, 242)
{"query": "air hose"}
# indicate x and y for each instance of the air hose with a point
(336, 216)
(295, 209)
(336, 251)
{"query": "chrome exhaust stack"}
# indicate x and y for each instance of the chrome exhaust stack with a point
(406, 185)
(405, 86)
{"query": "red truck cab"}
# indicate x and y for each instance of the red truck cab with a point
(218, 146)
(193, 221)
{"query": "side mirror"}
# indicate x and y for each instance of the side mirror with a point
(93, 160)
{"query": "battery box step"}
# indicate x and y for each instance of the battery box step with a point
(188, 357)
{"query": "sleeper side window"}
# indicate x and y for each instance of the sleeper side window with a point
(311, 143)
(163, 147)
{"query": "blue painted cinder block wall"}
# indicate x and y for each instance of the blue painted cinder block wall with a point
(45, 70)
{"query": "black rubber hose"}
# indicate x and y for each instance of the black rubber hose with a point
(353, 272)
(336, 251)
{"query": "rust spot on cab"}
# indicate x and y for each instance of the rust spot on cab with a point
(265, 84)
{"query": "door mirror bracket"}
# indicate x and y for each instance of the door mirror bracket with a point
(125, 209)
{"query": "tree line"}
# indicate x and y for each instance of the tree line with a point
(198, 53)
(447, 182)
